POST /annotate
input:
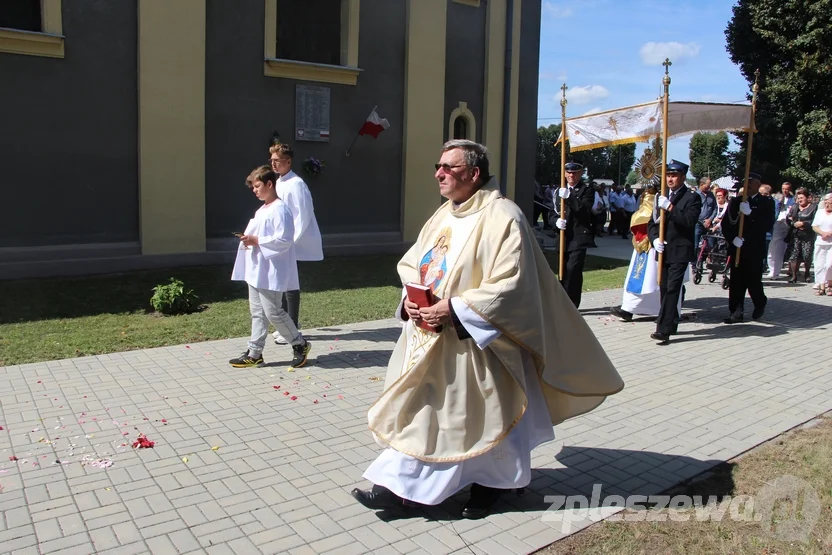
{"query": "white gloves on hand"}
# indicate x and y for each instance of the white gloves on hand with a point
(560, 224)
(563, 192)
(738, 241)
(664, 202)
(745, 208)
(657, 244)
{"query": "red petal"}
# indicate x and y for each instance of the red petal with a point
(315, 401)
(277, 387)
(294, 397)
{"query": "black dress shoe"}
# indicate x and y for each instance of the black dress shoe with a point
(759, 311)
(619, 312)
(481, 501)
(734, 319)
(379, 498)
(661, 338)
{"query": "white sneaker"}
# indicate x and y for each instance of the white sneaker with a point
(278, 339)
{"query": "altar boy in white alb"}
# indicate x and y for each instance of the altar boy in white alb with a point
(266, 262)
(294, 192)
(467, 405)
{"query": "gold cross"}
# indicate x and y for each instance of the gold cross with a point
(667, 63)
(614, 124)
(563, 88)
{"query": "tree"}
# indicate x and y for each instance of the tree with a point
(547, 164)
(790, 42)
(709, 155)
(632, 178)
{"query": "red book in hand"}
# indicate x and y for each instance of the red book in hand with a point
(422, 296)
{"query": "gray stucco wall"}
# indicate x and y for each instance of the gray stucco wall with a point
(359, 193)
(527, 104)
(465, 61)
(68, 134)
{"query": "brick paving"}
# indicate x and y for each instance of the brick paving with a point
(291, 445)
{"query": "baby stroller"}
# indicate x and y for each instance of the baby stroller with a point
(713, 257)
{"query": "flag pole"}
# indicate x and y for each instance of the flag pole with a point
(349, 148)
(562, 232)
(751, 126)
(666, 82)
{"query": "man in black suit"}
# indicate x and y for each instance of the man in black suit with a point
(577, 224)
(759, 220)
(680, 210)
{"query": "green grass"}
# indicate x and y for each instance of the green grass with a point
(55, 318)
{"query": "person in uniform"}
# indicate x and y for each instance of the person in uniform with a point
(466, 405)
(759, 218)
(680, 210)
(577, 224)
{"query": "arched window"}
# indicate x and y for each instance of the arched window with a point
(462, 124)
(461, 127)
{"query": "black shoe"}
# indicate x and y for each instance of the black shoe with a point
(619, 312)
(245, 360)
(481, 501)
(379, 498)
(734, 319)
(661, 338)
(300, 353)
(758, 311)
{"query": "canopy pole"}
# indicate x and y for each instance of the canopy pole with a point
(751, 126)
(666, 82)
(562, 232)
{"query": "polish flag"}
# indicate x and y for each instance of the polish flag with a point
(374, 125)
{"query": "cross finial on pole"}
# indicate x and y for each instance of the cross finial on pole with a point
(563, 94)
(667, 63)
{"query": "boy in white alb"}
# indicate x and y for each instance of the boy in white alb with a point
(292, 190)
(266, 262)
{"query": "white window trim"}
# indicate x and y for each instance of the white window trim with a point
(463, 111)
(49, 43)
(344, 74)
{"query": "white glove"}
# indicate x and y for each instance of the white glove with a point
(663, 202)
(658, 245)
(745, 208)
(560, 224)
(563, 192)
(738, 241)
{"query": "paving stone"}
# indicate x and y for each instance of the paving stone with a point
(281, 479)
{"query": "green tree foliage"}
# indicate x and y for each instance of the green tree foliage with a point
(599, 162)
(790, 42)
(709, 155)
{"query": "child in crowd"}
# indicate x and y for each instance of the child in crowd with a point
(266, 262)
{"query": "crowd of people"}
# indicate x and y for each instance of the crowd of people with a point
(485, 363)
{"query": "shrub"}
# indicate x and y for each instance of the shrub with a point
(173, 298)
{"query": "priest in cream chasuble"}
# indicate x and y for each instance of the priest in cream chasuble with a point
(466, 405)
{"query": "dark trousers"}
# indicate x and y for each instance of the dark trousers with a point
(673, 274)
(538, 211)
(291, 304)
(573, 275)
(748, 277)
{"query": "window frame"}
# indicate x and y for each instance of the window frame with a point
(47, 43)
(462, 111)
(344, 74)
(472, 3)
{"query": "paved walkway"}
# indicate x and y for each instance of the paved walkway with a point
(262, 461)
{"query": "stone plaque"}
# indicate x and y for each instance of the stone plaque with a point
(312, 113)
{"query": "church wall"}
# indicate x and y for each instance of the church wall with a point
(465, 63)
(360, 193)
(68, 135)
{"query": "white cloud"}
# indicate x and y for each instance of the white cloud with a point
(592, 111)
(551, 9)
(585, 95)
(654, 53)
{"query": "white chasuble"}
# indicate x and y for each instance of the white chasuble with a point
(447, 402)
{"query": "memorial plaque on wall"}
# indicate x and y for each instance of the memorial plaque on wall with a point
(312, 113)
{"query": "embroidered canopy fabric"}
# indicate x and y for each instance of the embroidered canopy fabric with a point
(642, 122)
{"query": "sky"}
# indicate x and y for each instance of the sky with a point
(609, 54)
